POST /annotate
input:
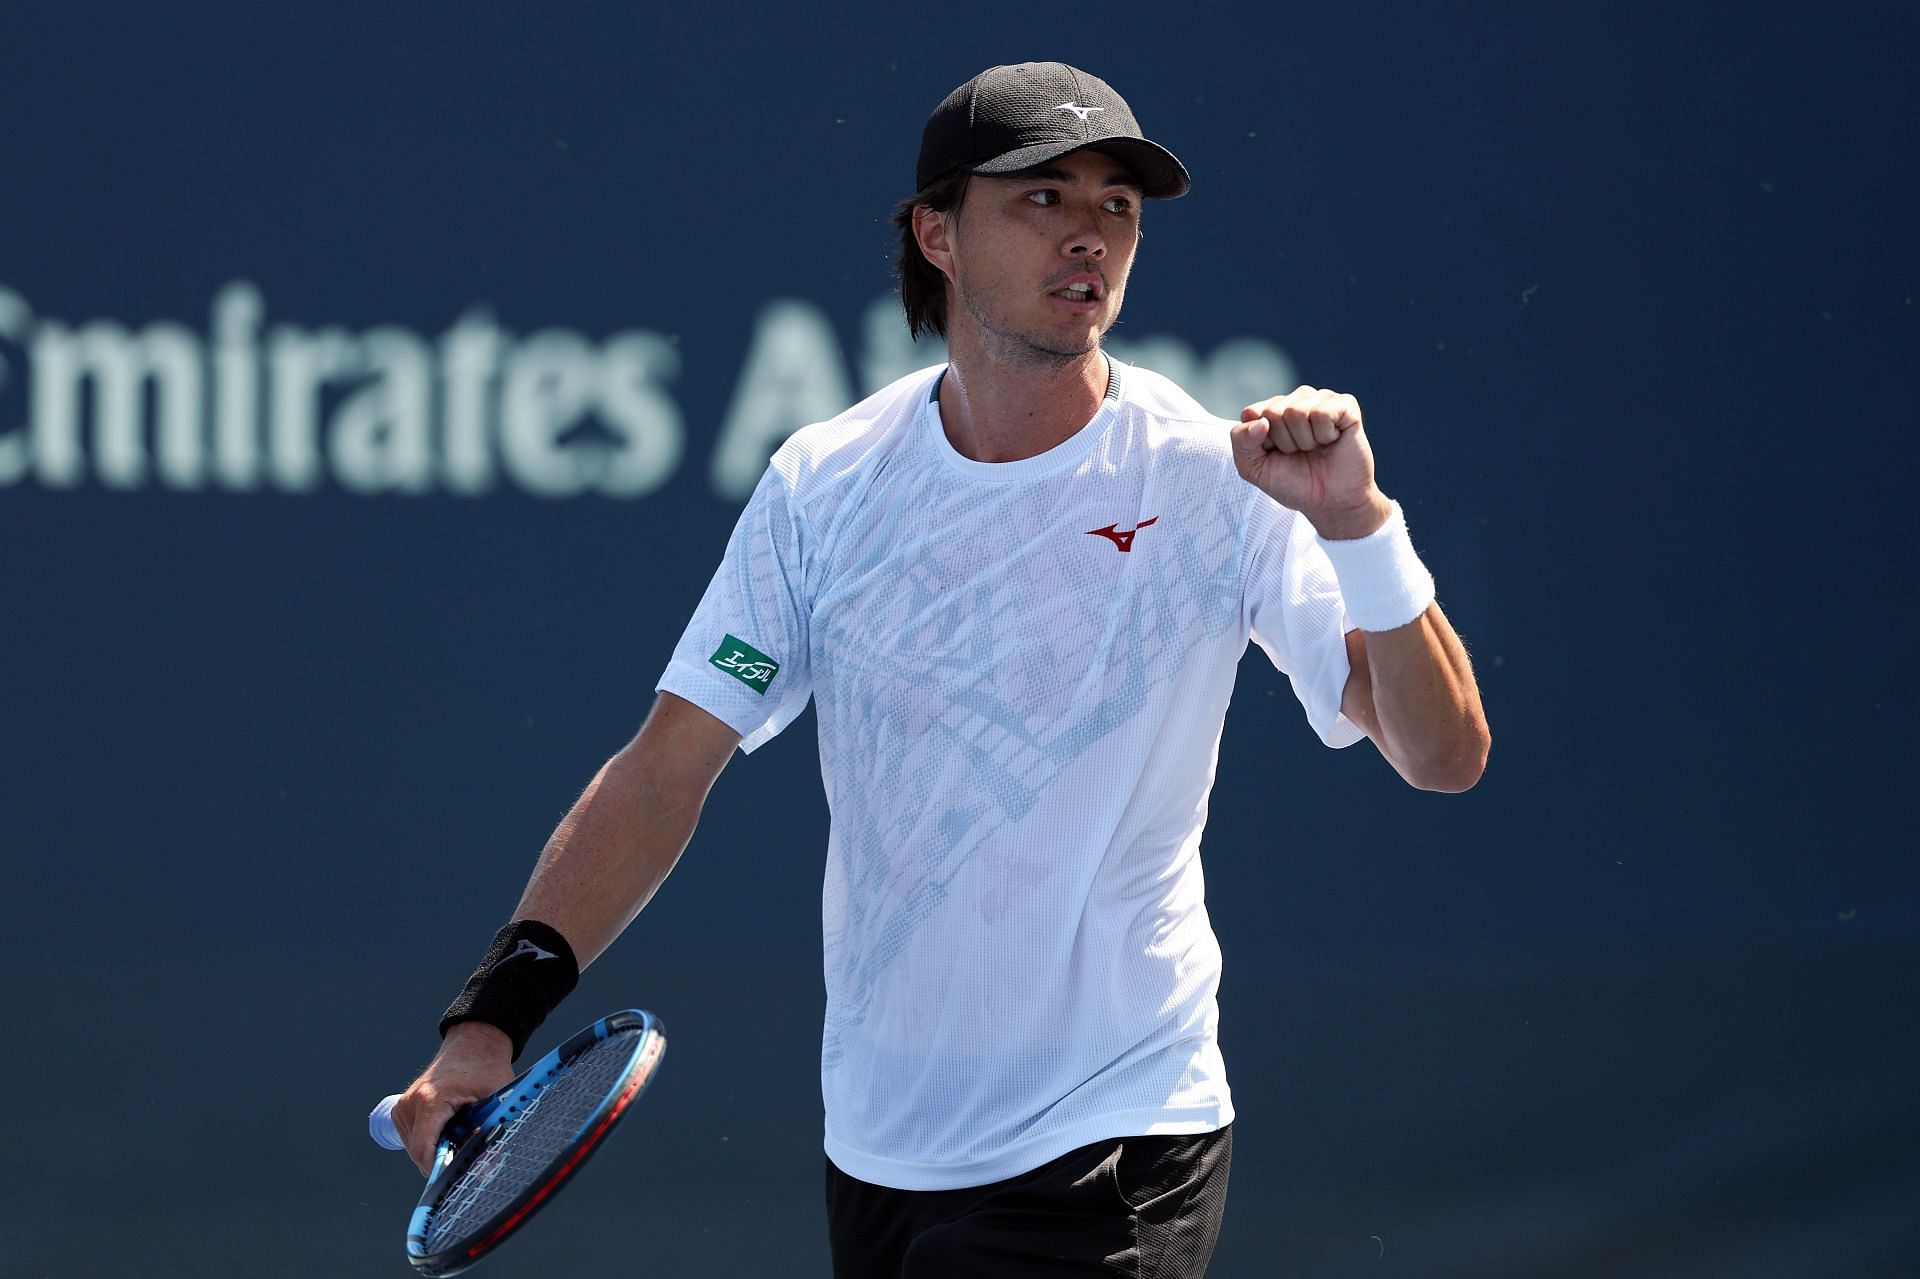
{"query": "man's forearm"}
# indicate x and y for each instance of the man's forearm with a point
(615, 847)
(1422, 701)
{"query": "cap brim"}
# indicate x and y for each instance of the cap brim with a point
(1161, 175)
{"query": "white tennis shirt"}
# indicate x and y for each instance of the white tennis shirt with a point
(1021, 670)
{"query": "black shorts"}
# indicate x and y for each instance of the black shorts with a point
(1147, 1207)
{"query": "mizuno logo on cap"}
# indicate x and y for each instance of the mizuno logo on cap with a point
(1082, 112)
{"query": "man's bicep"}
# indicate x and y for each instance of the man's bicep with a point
(684, 740)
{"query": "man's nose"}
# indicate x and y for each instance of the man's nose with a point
(1087, 244)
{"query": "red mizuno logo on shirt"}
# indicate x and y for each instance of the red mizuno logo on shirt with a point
(1122, 540)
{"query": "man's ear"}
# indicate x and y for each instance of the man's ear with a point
(933, 231)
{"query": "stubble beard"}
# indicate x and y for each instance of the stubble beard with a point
(1008, 346)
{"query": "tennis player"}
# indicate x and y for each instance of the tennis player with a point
(1016, 587)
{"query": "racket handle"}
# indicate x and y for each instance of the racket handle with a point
(380, 1125)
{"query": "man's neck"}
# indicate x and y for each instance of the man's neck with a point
(995, 412)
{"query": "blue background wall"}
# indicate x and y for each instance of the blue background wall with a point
(1627, 296)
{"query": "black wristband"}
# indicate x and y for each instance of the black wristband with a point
(528, 970)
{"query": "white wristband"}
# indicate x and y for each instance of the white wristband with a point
(1381, 577)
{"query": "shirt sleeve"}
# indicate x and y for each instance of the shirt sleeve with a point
(744, 655)
(1294, 612)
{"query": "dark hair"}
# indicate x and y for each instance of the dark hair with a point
(923, 287)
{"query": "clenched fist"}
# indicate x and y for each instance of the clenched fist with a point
(1308, 451)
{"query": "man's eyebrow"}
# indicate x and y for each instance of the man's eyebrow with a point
(1119, 179)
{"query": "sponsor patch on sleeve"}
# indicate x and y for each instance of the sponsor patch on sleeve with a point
(745, 663)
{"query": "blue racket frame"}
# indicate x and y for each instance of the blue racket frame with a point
(457, 1149)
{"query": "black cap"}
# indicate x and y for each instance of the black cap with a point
(1007, 119)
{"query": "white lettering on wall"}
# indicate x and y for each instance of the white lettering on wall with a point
(633, 369)
(120, 369)
(378, 437)
(251, 407)
(469, 361)
(299, 365)
(1239, 371)
(550, 384)
(15, 321)
(795, 373)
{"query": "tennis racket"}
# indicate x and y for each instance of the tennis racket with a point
(502, 1158)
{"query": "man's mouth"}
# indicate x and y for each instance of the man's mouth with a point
(1079, 291)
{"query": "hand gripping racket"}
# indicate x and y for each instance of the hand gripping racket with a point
(503, 1157)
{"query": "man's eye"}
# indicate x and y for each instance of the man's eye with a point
(1044, 197)
(1119, 204)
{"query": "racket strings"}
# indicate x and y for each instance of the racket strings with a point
(523, 1150)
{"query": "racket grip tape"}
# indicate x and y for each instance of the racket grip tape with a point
(380, 1125)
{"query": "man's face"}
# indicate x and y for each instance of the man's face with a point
(1040, 261)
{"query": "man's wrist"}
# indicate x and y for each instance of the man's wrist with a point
(481, 1037)
(1383, 584)
(1348, 523)
(527, 971)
